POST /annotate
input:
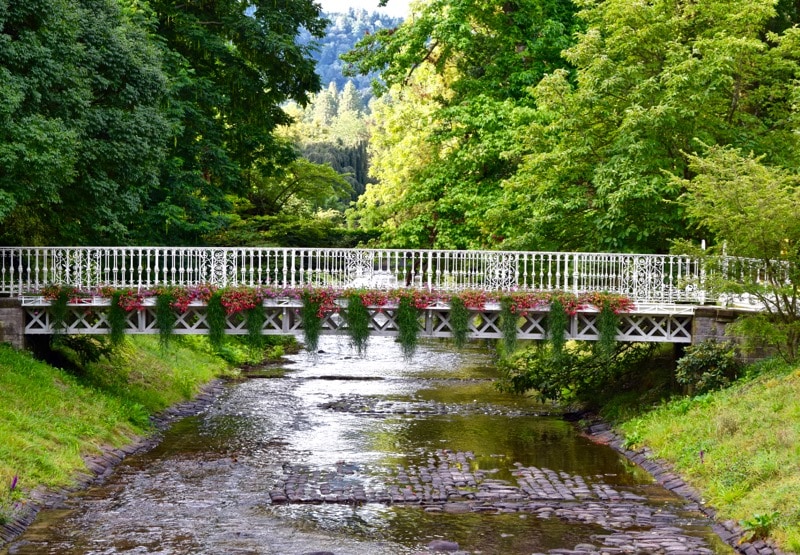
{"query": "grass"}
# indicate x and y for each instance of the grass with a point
(51, 418)
(740, 447)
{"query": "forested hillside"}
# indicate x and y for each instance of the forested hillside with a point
(341, 35)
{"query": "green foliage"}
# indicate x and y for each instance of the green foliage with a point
(82, 129)
(758, 526)
(217, 320)
(357, 318)
(117, 319)
(708, 366)
(508, 325)
(739, 447)
(311, 315)
(459, 321)
(165, 317)
(608, 136)
(254, 319)
(287, 230)
(59, 309)
(754, 208)
(607, 327)
(87, 348)
(232, 68)
(457, 74)
(576, 375)
(557, 322)
(408, 326)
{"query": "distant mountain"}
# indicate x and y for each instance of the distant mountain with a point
(344, 31)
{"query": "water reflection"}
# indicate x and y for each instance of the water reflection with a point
(367, 428)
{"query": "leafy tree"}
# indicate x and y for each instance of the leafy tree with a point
(302, 188)
(231, 70)
(485, 55)
(82, 131)
(650, 78)
(753, 209)
(339, 141)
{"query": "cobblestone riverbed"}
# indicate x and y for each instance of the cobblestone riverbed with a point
(373, 456)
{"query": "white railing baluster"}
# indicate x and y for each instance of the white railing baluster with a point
(645, 278)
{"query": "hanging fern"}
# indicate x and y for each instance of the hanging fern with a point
(59, 309)
(117, 318)
(254, 319)
(217, 320)
(607, 327)
(311, 316)
(407, 320)
(165, 317)
(558, 321)
(508, 324)
(357, 318)
(459, 321)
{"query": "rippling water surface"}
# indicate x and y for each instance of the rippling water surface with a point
(253, 474)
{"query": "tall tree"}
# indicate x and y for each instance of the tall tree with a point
(651, 78)
(486, 54)
(81, 126)
(232, 64)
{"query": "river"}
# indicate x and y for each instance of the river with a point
(372, 456)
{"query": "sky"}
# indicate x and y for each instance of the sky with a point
(395, 8)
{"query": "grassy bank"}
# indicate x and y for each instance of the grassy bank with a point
(740, 447)
(50, 418)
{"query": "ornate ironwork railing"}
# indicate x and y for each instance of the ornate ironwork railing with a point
(644, 278)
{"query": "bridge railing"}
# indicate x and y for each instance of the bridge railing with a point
(645, 278)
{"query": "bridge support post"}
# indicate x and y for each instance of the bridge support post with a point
(12, 322)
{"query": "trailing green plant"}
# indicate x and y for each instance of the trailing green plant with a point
(708, 366)
(557, 320)
(216, 319)
(254, 319)
(607, 326)
(117, 318)
(316, 305)
(407, 320)
(357, 318)
(165, 317)
(508, 324)
(459, 321)
(59, 308)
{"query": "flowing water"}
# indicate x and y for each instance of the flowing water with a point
(373, 456)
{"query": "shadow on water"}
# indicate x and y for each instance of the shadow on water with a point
(371, 456)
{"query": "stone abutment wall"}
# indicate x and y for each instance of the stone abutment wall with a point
(12, 322)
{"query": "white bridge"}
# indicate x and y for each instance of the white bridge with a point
(666, 290)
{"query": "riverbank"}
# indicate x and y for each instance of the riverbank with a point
(62, 429)
(736, 450)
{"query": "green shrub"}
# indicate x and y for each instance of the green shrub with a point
(708, 366)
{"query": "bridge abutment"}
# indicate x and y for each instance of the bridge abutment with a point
(712, 323)
(12, 322)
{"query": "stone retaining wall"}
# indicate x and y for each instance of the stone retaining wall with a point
(12, 322)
